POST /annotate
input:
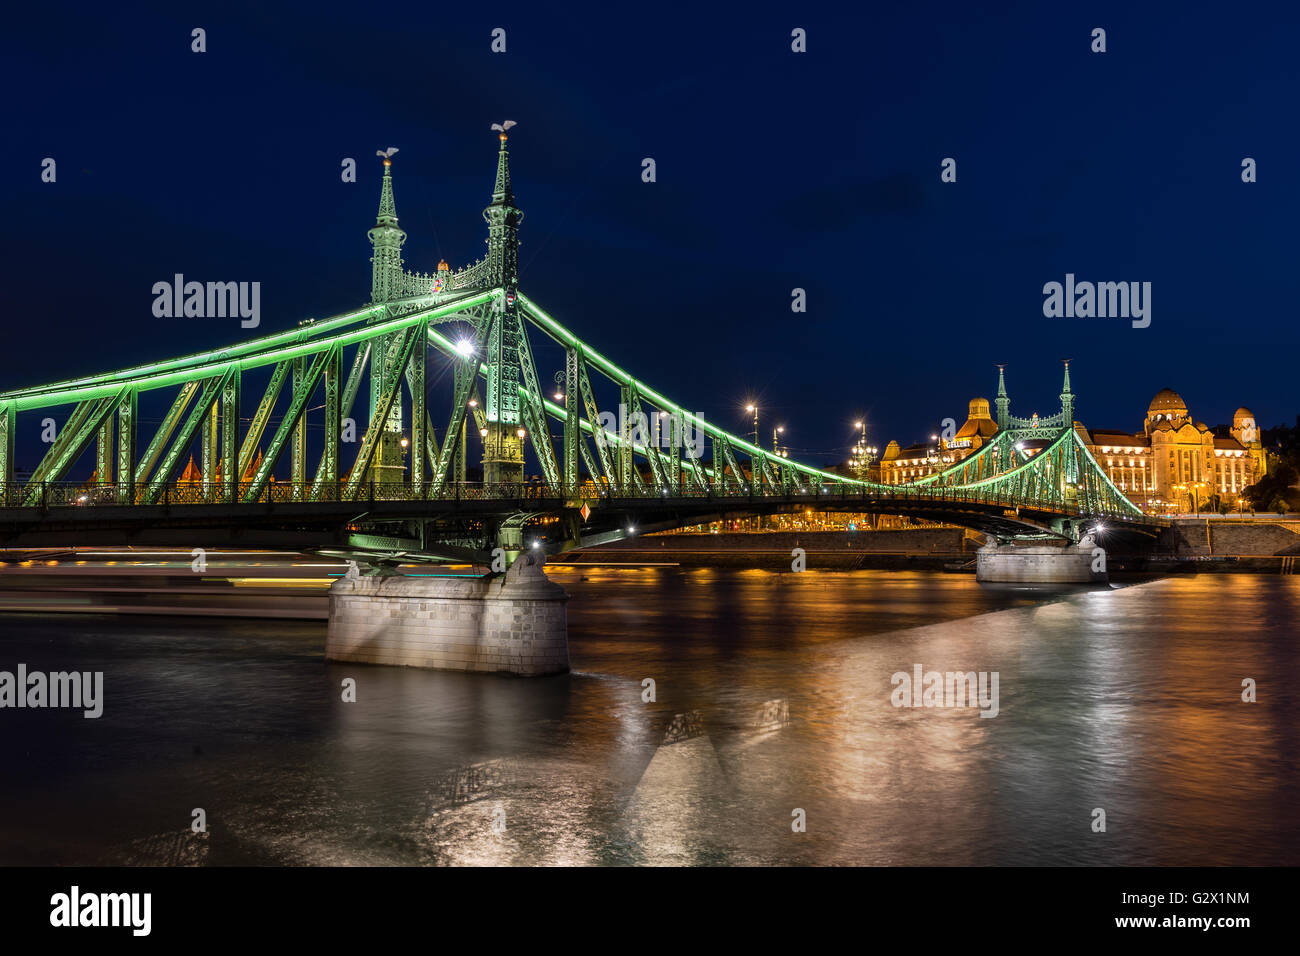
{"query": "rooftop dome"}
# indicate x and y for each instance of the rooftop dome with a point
(1242, 413)
(1167, 401)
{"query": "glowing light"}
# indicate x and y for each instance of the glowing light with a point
(465, 347)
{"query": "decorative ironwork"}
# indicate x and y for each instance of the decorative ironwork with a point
(1036, 463)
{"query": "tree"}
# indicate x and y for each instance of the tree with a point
(1283, 441)
(1276, 485)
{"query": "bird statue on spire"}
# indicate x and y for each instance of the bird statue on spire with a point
(386, 155)
(502, 127)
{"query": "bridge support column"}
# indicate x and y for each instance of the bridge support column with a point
(512, 623)
(1084, 563)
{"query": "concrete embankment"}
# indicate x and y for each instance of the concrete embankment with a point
(1191, 545)
(896, 549)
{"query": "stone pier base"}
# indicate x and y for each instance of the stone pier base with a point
(1041, 564)
(513, 623)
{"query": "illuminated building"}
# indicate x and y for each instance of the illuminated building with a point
(1175, 463)
(900, 465)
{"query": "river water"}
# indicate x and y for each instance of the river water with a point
(772, 705)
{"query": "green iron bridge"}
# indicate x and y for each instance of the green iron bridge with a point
(653, 466)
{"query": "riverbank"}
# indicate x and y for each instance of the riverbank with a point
(1188, 547)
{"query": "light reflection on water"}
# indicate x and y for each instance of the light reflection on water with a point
(773, 693)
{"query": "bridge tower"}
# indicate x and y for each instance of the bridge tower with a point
(1003, 401)
(1067, 399)
(503, 447)
(385, 286)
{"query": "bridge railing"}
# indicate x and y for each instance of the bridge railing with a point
(48, 495)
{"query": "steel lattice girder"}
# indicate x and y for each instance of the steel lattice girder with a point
(263, 414)
(76, 435)
(1041, 477)
(211, 389)
(396, 360)
(302, 391)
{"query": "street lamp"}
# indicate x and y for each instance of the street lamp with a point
(779, 430)
(754, 408)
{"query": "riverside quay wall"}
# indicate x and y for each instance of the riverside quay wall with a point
(894, 549)
(1201, 545)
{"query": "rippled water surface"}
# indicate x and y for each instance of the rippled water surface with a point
(772, 695)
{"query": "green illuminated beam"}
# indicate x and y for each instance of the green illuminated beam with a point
(262, 415)
(164, 433)
(77, 441)
(61, 441)
(566, 338)
(292, 416)
(211, 389)
(397, 359)
(439, 305)
(209, 364)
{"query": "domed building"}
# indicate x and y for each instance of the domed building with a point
(898, 465)
(1167, 406)
(1176, 463)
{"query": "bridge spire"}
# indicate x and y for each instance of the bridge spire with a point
(385, 286)
(1067, 398)
(503, 446)
(387, 239)
(1002, 402)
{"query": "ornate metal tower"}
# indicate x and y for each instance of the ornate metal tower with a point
(385, 286)
(1003, 401)
(503, 448)
(1067, 398)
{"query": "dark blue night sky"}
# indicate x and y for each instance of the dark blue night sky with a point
(775, 170)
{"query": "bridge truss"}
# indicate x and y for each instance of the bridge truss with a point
(650, 463)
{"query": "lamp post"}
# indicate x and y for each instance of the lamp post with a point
(858, 454)
(1196, 496)
(776, 449)
(754, 408)
(461, 457)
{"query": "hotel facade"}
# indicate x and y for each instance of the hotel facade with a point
(1173, 464)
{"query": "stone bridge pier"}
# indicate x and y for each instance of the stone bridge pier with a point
(1038, 563)
(511, 623)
